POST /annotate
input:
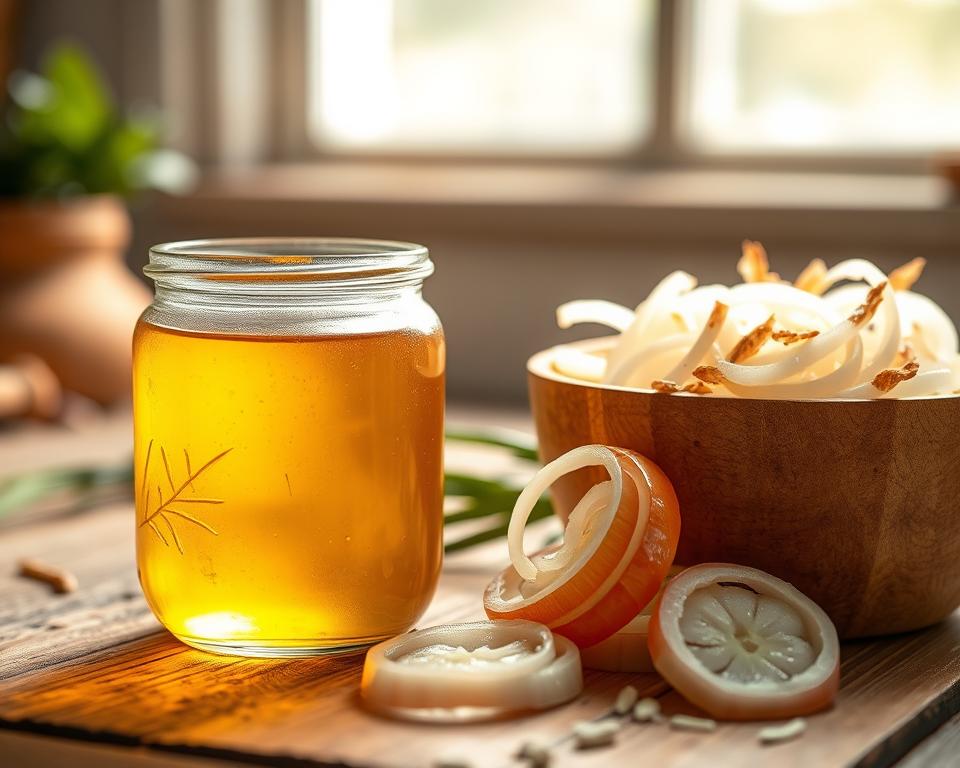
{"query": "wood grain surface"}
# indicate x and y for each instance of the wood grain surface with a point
(854, 503)
(94, 666)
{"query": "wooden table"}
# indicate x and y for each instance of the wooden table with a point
(104, 685)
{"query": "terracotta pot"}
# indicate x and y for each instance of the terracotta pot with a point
(854, 503)
(66, 294)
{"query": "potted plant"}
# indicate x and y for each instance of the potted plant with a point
(68, 157)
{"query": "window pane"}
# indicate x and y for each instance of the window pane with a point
(857, 75)
(490, 76)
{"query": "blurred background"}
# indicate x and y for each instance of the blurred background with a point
(543, 149)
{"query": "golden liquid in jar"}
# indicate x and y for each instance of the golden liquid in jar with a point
(289, 489)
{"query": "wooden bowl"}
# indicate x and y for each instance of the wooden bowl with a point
(855, 503)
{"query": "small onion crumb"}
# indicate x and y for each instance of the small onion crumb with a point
(792, 337)
(536, 753)
(903, 277)
(774, 734)
(889, 378)
(452, 761)
(646, 711)
(868, 309)
(754, 266)
(811, 279)
(690, 723)
(625, 700)
(709, 374)
(750, 344)
(588, 734)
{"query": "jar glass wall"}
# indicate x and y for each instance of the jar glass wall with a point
(288, 411)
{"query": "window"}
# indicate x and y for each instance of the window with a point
(571, 77)
(506, 76)
(856, 75)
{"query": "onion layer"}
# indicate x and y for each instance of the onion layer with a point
(618, 545)
(825, 343)
(471, 671)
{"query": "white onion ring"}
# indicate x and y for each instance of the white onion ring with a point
(597, 311)
(939, 333)
(578, 458)
(694, 307)
(665, 293)
(636, 539)
(860, 269)
(821, 387)
(598, 497)
(630, 367)
(549, 675)
(578, 364)
(794, 362)
(778, 296)
(704, 343)
(938, 381)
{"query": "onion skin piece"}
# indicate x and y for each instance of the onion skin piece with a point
(699, 685)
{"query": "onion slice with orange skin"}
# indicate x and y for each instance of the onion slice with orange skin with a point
(617, 548)
(471, 671)
(744, 645)
(626, 650)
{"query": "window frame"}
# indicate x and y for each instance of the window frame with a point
(276, 116)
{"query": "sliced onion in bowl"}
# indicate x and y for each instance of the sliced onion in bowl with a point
(634, 367)
(595, 311)
(806, 353)
(712, 328)
(578, 364)
(660, 299)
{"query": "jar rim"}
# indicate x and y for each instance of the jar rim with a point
(299, 260)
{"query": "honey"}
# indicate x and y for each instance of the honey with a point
(299, 482)
(289, 486)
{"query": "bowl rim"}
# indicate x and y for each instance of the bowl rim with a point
(539, 365)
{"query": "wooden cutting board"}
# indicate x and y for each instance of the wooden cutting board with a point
(95, 665)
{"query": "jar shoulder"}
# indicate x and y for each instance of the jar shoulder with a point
(410, 314)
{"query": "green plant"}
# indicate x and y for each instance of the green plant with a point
(62, 135)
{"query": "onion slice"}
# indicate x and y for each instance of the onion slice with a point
(617, 547)
(585, 456)
(471, 671)
(808, 352)
(826, 343)
(632, 367)
(626, 650)
(595, 311)
(744, 645)
(704, 343)
(578, 364)
(660, 299)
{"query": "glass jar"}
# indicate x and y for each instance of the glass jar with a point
(288, 418)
